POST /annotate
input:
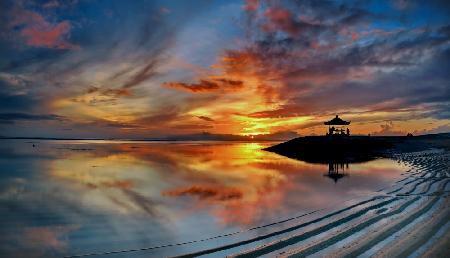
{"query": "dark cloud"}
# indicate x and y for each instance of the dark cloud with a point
(441, 111)
(297, 58)
(12, 117)
(203, 86)
(307, 21)
(229, 83)
(207, 85)
(144, 73)
(282, 19)
(101, 39)
(403, 67)
(10, 102)
(205, 118)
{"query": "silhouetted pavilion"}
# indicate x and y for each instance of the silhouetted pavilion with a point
(337, 126)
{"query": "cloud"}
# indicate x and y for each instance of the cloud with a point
(207, 85)
(38, 32)
(14, 80)
(12, 102)
(48, 36)
(116, 184)
(281, 19)
(389, 130)
(171, 114)
(203, 86)
(288, 63)
(106, 87)
(309, 58)
(144, 73)
(205, 118)
(52, 4)
(317, 79)
(439, 129)
(251, 5)
(12, 117)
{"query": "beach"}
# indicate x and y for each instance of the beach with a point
(410, 218)
(101, 198)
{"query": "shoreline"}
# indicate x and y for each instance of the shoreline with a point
(354, 149)
(398, 220)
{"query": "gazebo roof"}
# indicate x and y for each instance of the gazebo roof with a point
(337, 121)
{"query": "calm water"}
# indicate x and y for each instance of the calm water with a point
(76, 197)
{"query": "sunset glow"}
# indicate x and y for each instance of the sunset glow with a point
(224, 128)
(223, 67)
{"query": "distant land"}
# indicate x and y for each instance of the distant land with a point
(288, 136)
(279, 136)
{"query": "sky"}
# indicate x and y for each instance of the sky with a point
(140, 69)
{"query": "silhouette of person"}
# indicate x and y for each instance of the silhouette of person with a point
(348, 132)
(332, 130)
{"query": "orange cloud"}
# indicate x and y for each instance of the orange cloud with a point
(245, 71)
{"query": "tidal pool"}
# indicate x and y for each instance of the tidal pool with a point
(64, 198)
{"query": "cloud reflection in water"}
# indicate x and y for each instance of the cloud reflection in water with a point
(88, 196)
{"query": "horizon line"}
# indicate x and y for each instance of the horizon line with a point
(180, 138)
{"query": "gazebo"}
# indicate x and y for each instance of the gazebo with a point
(337, 126)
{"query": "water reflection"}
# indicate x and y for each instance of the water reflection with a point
(85, 196)
(336, 171)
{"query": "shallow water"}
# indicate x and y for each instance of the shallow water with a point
(76, 197)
